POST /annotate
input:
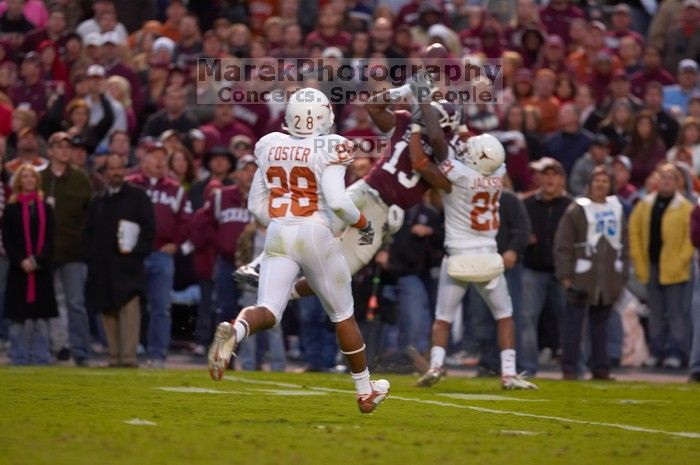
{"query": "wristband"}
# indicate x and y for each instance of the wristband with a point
(415, 128)
(361, 223)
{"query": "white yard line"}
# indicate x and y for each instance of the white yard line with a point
(638, 429)
(268, 383)
(139, 422)
(196, 390)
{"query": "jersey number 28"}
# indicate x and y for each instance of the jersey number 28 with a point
(483, 203)
(296, 192)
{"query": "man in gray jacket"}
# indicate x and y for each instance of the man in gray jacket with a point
(591, 263)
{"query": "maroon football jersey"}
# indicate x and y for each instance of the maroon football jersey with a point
(393, 176)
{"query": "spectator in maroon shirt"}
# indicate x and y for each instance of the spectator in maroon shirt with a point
(625, 191)
(381, 39)
(557, 16)
(408, 14)
(172, 212)
(533, 41)
(526, 16)
(32, 90)
(189, 48)
(492, 41)
(553, 55)
(646, 149)
(328, 31)
(54, 69)
(621, 89)
(601, 75)
(651, 71)
(666, 124)
(54, 30)
(621, 22)
(114, 66)
(515, 144)
(470, 38)
(291, 46)
(630, 53)
(618, 125)
(223, 128)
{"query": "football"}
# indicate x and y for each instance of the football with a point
(436, 50)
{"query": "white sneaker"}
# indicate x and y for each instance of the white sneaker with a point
(221, 350)
(369, 402)
(672, 362)
(431, 377)
(516, 382)
(651, 362)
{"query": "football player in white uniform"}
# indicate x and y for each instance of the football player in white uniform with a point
(298, 191)
(471, 223)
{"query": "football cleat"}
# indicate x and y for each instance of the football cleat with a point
(221, 350)
(516, 382)
(247, 274)
(368, 403)
(431, 377)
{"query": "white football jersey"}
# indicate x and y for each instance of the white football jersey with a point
(471, 209)
(292, 168)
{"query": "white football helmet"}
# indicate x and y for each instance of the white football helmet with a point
(484, 152)
(308, 113)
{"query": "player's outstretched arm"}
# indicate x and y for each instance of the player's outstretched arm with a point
(378, 109)
(436, 136)
(333, 187)
(258, 199)
(422, 165)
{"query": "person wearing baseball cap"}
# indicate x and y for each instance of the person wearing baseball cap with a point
(69, 190)
(624, 189)
(677, 96)
(219, 162)
(621, 21)
(544, 208)
(112, 44)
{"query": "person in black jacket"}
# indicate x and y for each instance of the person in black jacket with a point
(417, 247)
(540, 287)
(512, 238)
(116, 276)
(29, 299)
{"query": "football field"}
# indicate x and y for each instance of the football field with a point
(107, 416)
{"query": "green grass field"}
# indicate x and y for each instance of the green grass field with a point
(102, 416)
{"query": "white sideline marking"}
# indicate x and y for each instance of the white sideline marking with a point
(139, 422)
(489, 397)
(196, 390)
(639, 429)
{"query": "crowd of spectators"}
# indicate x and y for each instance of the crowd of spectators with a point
(99, 103)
